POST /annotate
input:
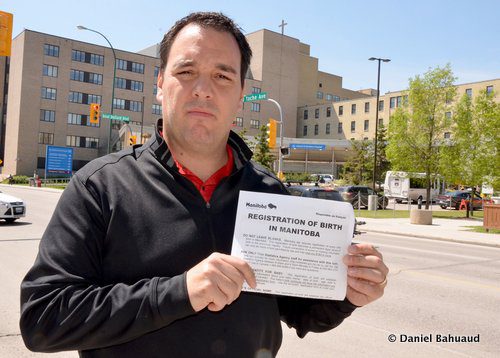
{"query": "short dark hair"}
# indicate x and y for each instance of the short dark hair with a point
(214, 20)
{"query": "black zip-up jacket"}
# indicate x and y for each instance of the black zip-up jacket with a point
(110, 276)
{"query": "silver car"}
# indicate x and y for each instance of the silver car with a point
(11, 208)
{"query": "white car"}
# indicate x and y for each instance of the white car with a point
(11, 208)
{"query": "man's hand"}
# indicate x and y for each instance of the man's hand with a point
(217, 281)
(366, 274)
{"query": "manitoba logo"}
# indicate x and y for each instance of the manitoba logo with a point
(256, 205)
(271, 206)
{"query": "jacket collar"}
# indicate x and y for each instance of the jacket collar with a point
(242, 154)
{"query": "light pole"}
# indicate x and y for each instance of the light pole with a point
(80, 27)
(376, 118)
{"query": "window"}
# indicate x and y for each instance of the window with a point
(353, 126)
(87, 57)
(306, 114)
(49, 93)
(328, 111)
(128, 105)
(80, 120)
(238, 122)
(76, 75)
(156, 109)
(327, 129)
(51, 50)
(366, 125)
(254, 123)
(316, 129)
(447, 114)
(255, 107)
(319, 95)
(398, 101)
(447, 135)
(304, 131)
(353, 109)
(82, 76)
(380, 105)
(118, 103)
(468, 92)
(316, 113)
(392, 103)
(82, 142)
(129, 66)
(339, 127)
(157, 71)
(329, 97)
(137, 86)
(155, 89)
(489, 89)
(341, 110)
(83, 98)
(380, 122)
(47, 115)
(255, 90)
(45, 138)
(336, 98)
(50, 71)
(367, 107)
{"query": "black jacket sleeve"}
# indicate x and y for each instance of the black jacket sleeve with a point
(312, 315)
(64, 303)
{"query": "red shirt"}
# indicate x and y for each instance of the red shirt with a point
(207, 188)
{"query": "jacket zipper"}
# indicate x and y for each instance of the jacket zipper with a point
(210, 226)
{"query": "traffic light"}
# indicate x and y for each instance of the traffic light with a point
(132, 140)
(272, 127)
(5, 33)
(95, 112)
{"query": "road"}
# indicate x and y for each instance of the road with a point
(434, 288)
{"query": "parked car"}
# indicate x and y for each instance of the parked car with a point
(11, 208)
(315, 192)
(322, 178)
(452, 199)
(355, 193)
(320, 193)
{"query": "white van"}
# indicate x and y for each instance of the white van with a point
(409, 186)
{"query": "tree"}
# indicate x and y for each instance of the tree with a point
(262, 154)
(416, 130)
(357, 168)
(471, 156)
(383, 164)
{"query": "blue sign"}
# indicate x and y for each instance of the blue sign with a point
(59, 160)
(308, 146)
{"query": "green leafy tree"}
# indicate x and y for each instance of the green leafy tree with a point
(471, 157)
(416, 130)
(357, 169)
(262, 153)
(383, 164)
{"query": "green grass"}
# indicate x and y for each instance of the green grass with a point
(482, 230)
(389, 214)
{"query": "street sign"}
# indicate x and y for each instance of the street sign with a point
(255, 97)
(115, 117)
(308, 146)
(59, 160)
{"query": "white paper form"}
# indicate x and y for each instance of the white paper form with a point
(295, 245)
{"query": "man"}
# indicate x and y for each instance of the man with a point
(135, 260)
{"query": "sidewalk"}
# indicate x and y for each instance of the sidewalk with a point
(441, 229)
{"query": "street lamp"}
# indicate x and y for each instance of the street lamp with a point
(80, 27)
(376, 117)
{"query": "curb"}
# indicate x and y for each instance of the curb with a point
(51, 190)
(478, 243)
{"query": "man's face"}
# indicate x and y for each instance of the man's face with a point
(200, 89)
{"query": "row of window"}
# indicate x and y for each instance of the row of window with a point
(128, 105)
(254, 123)
(71, 140)
(96, 78)
(95, 59)
(328, 96)
(341, 110)
(366, 127)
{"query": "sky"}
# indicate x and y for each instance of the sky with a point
(415, 35)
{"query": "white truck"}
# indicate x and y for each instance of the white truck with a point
(409, 186)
